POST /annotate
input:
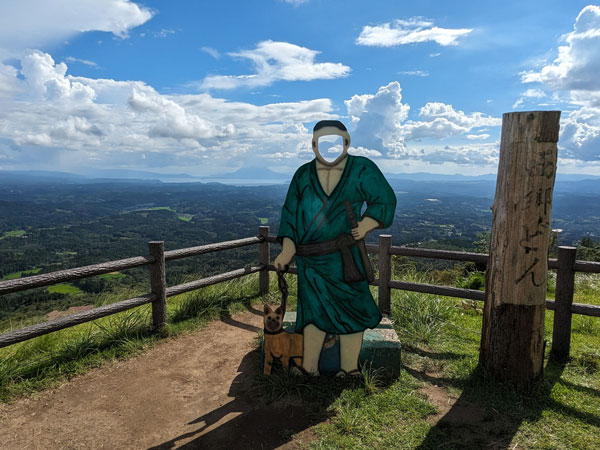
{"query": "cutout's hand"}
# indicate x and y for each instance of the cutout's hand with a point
(282, 260)
(287, 253)
(364, 226)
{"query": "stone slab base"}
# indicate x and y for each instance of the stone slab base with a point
(381, 348)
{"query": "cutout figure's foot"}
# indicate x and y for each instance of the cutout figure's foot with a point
(300, 371)
(356, 374)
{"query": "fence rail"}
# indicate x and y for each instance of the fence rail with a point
(565, 264)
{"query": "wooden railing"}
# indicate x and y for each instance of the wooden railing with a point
(566, 267)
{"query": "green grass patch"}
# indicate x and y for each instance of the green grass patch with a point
(15, 275)
(263, 220)
(112, 276)
(13, 233)
(64, 288)
(157, 208)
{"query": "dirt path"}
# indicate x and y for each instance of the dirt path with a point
(188, 392)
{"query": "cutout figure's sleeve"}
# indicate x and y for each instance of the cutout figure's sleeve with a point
(289, 211)
(379, 195)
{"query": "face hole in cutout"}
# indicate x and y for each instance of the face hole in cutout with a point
(330, 147)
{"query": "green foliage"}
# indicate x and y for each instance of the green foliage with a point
(63, 288)
(13, 233)
(588, 249)
(419, 317)
(19, 274)
(474, 280)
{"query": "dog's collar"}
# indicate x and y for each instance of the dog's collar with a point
(265, 331)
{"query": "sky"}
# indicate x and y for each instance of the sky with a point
(205, 88)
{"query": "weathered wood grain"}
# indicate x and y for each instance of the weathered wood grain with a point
(209, 248)
(515, 301)
(46, 279)
(158, 284)
(445, 291)
(264, 254)
(12, 337)
(385, 273)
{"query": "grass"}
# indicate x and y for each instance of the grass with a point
(13, 233)
(15, 275)
(44, 361)
(112, 275)
(158, 208)
(64, 288)
(440, 347)
(441, 343)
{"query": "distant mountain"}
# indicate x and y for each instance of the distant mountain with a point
(51, 177)
(251, 173)
(137, 174)
(423, 176)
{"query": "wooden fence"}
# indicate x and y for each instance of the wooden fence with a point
(563, 306)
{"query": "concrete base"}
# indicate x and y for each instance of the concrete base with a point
(381, 348)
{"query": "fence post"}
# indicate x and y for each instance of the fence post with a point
(158, 284)
(565, 284)
(385, 273)
(263, 258)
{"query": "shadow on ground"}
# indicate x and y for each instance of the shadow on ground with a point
(247, 421)
(487, 415)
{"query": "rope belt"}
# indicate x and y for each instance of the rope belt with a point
(343, 243)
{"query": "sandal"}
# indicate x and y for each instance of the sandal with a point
(355, 373)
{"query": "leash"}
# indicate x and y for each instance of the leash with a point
(283, 288)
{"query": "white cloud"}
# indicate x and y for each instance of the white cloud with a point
(416, 73)
(440, 120)
(78, 121)
(380, 122)
(470, 155)
(529, 94)
(47, 80)
(361, 151)
(295, 2)
(164, 32)
(577, 66)
(413, 30)
(574, 74)
(33, 23)
(275, 61)
(211, 51)
(378, 118)
(474, 137)
(580, 134)
(87, 62)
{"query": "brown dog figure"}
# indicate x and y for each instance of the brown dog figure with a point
(280, 344)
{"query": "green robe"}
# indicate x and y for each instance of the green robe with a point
(309, 216)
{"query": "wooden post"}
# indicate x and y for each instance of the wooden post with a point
(565, 285)
(512, 338)
(263, 258)
(385, 273)
(158, 284)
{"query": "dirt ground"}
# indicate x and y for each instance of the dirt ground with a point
(185, 393)
(190, 392)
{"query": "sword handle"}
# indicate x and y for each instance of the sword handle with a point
(362, 248)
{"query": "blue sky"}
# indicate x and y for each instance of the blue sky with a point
(209, 87)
